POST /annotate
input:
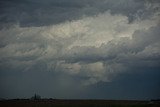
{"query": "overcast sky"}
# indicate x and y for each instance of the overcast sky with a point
(96, 49)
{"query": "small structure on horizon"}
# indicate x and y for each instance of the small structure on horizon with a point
(36, 97)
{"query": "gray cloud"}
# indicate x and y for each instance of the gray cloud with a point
(77, 42)
(96, 48)
(41, 13)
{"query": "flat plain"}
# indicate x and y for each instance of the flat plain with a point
(77, 103)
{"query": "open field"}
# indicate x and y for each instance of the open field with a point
(77, 103)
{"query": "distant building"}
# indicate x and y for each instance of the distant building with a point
(36, 97)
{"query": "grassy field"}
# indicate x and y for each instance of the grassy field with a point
(77, 103)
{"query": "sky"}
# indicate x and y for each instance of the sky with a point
(80, 49)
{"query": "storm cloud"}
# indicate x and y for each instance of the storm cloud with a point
(78, 42)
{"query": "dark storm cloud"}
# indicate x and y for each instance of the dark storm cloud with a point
(98, 58)
(59, 44)
(41, 13)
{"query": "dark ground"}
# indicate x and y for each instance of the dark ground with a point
(77, 103)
